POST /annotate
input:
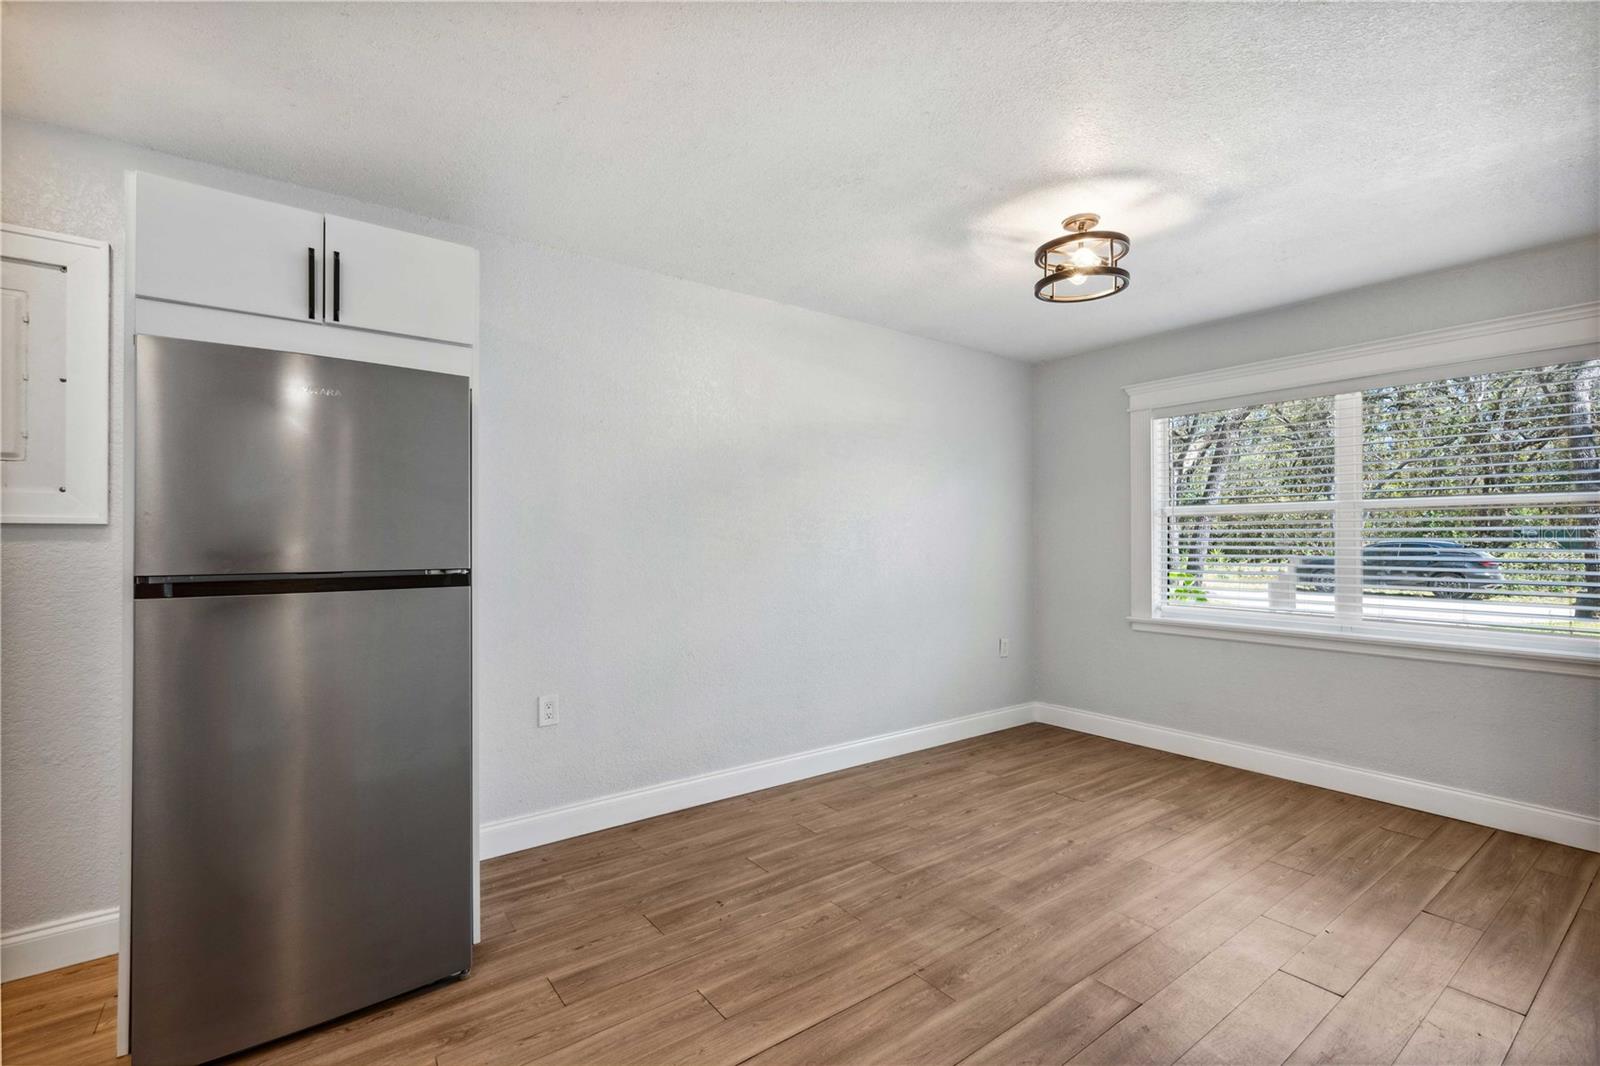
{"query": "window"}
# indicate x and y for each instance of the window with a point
(1246, 497)
(1458, 511)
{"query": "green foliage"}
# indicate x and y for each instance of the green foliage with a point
(1482, 435)
(1279, 452)
(1184, 587)
(1525, 431)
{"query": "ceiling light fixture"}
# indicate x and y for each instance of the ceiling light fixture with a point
(1081, 266)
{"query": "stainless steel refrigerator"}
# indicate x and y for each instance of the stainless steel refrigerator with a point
(302, 745)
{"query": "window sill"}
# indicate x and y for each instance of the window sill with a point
(1577, 663)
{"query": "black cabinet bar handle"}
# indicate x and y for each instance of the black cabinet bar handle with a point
(311, 283)
(336, 286)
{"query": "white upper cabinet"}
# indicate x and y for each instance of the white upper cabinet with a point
(212, 249)
(384, 279)
(202, 246)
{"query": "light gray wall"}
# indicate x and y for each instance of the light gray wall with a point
(723, 529)
(1527, 736)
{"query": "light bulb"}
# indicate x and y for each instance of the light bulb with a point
(1083, 256)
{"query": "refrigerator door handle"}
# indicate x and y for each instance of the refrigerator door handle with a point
(311, 283)
(172, 586)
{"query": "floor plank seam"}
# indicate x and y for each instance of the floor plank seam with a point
(1312, 981)
(713, 1006)
(964, 871)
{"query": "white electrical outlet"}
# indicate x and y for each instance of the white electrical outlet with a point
(1005, 647)
(549, 710)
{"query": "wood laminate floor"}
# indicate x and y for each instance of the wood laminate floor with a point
(1030, 896)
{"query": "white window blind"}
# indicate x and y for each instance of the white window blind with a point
(1468, 505)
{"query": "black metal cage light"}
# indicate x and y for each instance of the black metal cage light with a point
(1081, 266)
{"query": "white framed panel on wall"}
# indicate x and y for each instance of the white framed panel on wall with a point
(56, 340)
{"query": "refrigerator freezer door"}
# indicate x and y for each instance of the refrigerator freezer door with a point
(302, 810)
(251, 461)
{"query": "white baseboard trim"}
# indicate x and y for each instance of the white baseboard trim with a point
(507, 835)
(63, 942)
(67, 941)
(1547, 823)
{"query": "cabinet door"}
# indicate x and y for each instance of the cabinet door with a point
(196, 245)
(396, 282)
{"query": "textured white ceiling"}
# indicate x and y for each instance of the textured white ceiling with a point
(890, 163)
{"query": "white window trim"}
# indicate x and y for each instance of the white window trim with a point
(1497, 344)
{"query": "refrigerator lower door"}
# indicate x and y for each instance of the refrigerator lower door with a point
(302, 810)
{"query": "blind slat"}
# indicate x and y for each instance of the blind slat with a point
(1478, 504)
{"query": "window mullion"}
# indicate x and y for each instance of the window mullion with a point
(1347, 516)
